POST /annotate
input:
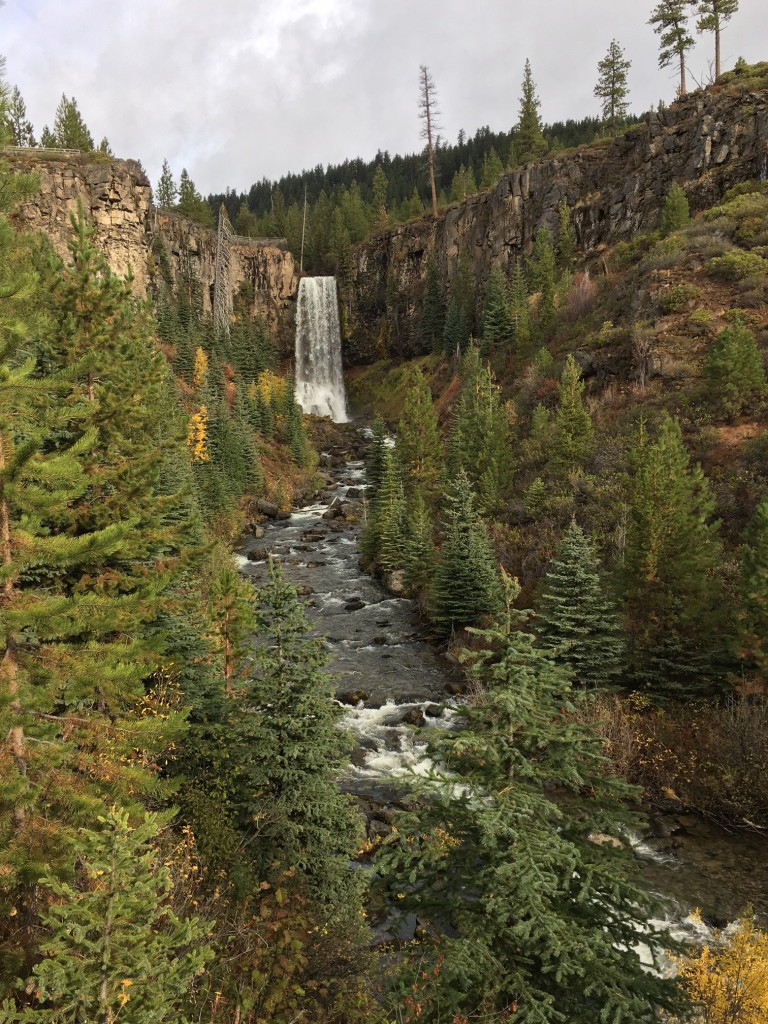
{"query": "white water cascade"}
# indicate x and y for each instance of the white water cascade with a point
(319, 377)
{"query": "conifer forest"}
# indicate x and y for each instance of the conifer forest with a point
(455, 710)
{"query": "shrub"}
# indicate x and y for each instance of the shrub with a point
(700, 318)
(673, 299)
(665, 254)
(736, 265)
(742, 316)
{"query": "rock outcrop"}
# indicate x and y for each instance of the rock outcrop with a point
(706, 142)
(116, 197)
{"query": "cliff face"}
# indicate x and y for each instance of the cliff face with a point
(707, 143)
(117, 199)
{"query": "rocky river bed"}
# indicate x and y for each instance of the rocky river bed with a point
(393, 682)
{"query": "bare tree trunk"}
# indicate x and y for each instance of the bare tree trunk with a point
(717, 47)
(683, 89)
(9, 669)
(428, 113)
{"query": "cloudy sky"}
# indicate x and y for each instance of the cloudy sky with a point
(235, 90)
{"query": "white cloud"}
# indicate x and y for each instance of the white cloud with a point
(249, 88)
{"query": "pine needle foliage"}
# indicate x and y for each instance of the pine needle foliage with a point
(576, 618)
(515, 854)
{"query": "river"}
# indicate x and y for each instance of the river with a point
(392, 682)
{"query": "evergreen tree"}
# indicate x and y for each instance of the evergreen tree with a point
(751, 646)
(576, 618)
(191, 203)
(20, 128)
(47, 138)
(466, 579)
(670, 22)
(535, 912)
(529, 141)
(380, 190)
(493, 169)
(712, 16)
(376, 454)
(612, 89)
(497, 325)
(418, 439)
(519, 311)
(167, 190)
(542, 273)
(90, 551)
(573, 425)
(433, 309)
(291, 752)
(419, 561)
(566, 238)
(734, 373)
(675, 213)
(669, 573)
(69, 128)
(481, 443)
(456, 331)
(114, 948)
(386, 524)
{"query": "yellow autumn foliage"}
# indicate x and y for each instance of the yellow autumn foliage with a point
(200, 369)
(269, 384)
(728, 981)
(197, 435)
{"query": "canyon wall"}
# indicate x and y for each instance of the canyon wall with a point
(707, 143)
(116, 197)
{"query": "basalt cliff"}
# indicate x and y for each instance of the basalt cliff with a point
(135, 237)
(707, 143)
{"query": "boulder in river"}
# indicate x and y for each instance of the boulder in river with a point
(395, 583)
(352, 697)
(267, 508)
(257, 555)
(354, 605)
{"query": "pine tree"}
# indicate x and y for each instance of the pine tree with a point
(515, 852)
(493, 169)
(670, 22)
(751, 644)
(675, 213)
(386, 524)
(20, 128)
(375, 456)
(91, 549)
(114, 948)
(529, 141)
(669, 573)
(497, 325)
(566, 238)
(167, 190)
(419, 561)
(734, 373)
(542, 266)
(519, 311)
(611, 88)
(418, 439)
(574, 432)
(576, 618)
(432, 310)
(456, 331)
(481, 443)
(380, 190)
(712, 16)
(466, 579)
(429, 115)
(292, 751)
(69, 128)
(191, 203)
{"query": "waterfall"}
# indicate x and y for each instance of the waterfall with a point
(319, 377)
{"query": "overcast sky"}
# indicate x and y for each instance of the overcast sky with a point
(235, 90)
